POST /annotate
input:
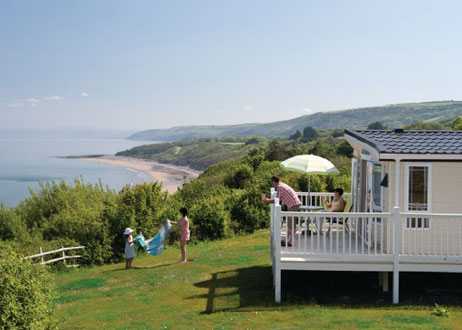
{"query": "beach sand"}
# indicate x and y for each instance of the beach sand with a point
(171, 176)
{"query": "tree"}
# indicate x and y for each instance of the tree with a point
(344, 149)
(427, 126)
(376, 126)
(275, 151)
(457, 124)
(296, 135)
(309, 133)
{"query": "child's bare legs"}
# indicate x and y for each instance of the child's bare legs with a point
(128, 263)
(183, 250)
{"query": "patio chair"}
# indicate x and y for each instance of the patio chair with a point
(339, 220)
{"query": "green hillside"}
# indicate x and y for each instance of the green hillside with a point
(197, 154)
(396, 115)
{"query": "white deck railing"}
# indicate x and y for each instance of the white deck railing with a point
(322, 234)
(405, 241)
(317, 198)
(365, 234)
(431, 236)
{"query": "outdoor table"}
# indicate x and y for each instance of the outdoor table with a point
(312, 208)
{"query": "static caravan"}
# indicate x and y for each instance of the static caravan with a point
(406, 213)
(417, 171)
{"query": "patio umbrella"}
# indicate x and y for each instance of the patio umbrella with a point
(310, 164)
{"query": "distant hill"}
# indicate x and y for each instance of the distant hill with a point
(65, 133)
(396, 115)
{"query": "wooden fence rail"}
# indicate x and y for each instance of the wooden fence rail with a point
(63, 256)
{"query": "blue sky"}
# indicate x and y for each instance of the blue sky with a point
(158, 64)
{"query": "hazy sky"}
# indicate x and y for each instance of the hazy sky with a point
(157, 64)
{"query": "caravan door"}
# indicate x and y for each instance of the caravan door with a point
(373, 198)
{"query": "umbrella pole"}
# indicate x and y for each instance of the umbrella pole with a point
(309, 190)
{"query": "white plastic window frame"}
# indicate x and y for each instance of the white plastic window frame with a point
(408, 165)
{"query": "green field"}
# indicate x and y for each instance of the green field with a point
(229, 286)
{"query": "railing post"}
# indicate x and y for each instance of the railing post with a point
(63, 254)
(41, 257)
(396, 245)
(277, 248)
(272, 231)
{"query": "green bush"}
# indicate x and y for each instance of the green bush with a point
(440, 311)
(249, 213)
(457, 124)
(25, 293)
(209, 219)
(239, 176)
(11, 224)
(139, 207)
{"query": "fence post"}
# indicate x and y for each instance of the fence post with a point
(64, 255)
(396, 245)
(277, 248)
(42, 260)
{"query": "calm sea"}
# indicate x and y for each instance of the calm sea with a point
(25, 161)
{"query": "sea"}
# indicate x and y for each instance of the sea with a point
(24, 161)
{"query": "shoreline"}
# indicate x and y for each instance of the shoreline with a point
(171, 176)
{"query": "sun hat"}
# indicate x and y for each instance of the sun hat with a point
(128, 231)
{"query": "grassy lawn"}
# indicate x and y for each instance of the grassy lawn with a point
(229, 286)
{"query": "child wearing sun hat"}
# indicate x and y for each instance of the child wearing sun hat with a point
(129, 248)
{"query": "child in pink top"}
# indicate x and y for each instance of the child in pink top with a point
(184, 230)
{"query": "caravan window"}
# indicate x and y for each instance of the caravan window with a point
(418, 188)
(418, 193)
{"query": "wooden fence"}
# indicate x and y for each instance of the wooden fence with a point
(62, 256)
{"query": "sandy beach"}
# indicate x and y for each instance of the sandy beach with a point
(171, 176)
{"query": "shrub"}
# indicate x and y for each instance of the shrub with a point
(440, 311)
(138, 207)
(249, 213)
(457, 124)
(308, 182)
(209, 219)
(11, 224)
(25, 293)
(239, 176)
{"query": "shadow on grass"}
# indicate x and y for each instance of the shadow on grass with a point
(139, 268)
(252, 287)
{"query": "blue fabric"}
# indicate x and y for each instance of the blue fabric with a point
(155, 246)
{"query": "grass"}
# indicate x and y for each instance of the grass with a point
(229, 286)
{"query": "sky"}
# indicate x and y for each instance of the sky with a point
(158, 64)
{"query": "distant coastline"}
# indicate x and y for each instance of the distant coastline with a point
(171, 176)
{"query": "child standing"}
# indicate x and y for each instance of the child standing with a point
(129, 248)
(184, 230)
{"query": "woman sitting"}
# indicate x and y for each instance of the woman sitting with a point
(338, 203)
